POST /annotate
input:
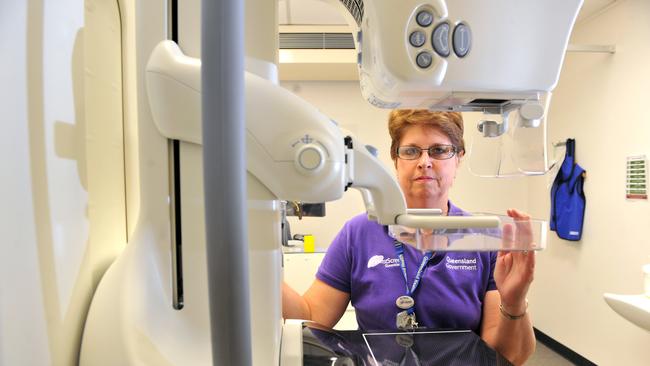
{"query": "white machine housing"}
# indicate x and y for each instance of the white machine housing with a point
(297, 152)
(294, 149)
(499, 53)
(301, 159)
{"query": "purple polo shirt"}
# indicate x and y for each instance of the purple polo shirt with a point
(362, 262)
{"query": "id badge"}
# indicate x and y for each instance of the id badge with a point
(406, 321)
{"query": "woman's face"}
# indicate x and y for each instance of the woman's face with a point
(426, 181)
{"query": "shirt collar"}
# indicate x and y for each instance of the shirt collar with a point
(453, 209)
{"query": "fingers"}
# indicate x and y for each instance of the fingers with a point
(516, 262)
(508, 237)
(514, 213)
(506, 263)
(523, 237)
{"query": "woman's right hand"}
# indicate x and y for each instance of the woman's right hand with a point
(514, 270)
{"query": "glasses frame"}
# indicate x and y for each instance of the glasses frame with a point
(454, 151)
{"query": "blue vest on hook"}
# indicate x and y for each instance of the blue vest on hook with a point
(568, 198)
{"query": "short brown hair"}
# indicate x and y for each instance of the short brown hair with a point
(449, 123)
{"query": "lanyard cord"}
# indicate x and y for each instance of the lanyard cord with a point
(399, 249)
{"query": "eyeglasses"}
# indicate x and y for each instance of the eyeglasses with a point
(438, 152)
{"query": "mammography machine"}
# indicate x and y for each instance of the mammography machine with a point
(499, 57)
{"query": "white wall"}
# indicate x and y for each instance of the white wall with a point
(601, 101)
(342, 101)
(52, 256)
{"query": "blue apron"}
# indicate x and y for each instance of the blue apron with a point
(568, 197)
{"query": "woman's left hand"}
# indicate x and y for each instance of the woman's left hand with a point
(515, 269)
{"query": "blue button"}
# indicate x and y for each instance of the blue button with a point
(424, 18)
(417, 38)
(424, 59)
(462, 40)
(440, 39)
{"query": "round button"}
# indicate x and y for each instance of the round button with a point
(440, 39)
(424, 59)
(424, 18)
(462, 39)
(417, 38)
(309, 158)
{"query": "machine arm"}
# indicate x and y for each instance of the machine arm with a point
(296, 151)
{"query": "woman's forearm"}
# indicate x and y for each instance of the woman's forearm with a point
(294, 306)
(515, 339)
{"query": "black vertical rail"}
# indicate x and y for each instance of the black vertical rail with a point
(177, 232)
(175, 167)
(224, 180)
(173, 14)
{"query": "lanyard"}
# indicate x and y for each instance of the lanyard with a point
(399, 249)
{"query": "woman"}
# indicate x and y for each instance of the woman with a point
(481, 291)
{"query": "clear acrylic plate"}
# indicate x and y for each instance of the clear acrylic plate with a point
(510, 235)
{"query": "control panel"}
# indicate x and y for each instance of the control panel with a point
(431, 35)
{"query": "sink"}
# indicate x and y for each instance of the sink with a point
(635, 308)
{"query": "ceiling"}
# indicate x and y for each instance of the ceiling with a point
(320, 12)
(309, 12)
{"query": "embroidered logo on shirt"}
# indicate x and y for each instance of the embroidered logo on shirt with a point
(461, 264)
(376, 260)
